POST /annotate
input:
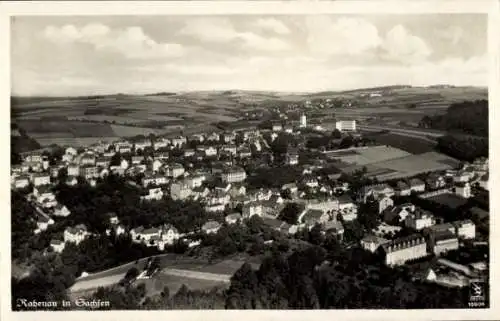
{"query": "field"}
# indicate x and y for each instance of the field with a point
(450, 200)
(58, 118)
(367, 155)
(386, 163)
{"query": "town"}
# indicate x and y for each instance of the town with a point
(396, 205)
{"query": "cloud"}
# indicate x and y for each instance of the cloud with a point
(351, 36)
(130, 42)
(452, 34)
(272, 25)
(399, 45)
(222, 31)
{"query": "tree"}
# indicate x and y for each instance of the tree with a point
(336, 134)
(290, 213)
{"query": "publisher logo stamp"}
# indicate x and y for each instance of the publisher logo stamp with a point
(477, 295)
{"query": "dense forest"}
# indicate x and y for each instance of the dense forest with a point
(462, 147)
(353, 279)
(468, 117)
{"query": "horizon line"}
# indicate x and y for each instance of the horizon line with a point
(251, 90)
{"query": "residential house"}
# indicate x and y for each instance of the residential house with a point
(244, 152)
(372, 243)
(483, 182)
(228, 137)
(136, 160)
(73, 170)
(178, 141)
(89, 171)
(71, 181)
(61, 210)
(404, 249)
(141, 145)
(153, 193)
(175, 170)
(417, 185)
(465, 229)
(233, 218)
(398, 213)
(148, 236)
(87, 159)
(189, 152)
(215, 208)
(124, 164)
(237, 190)
(251, 209)
(43, 223)
(229, 149)
(463, 190)
(444, 242)
(292, 187)
(40, 179)
(211, 227)
(313, 217)
(277, 127)
(310, 181)
(347, 208)
(103, 161)
(44, 193)
(435, 181)
(195, 181)
(180, 191)
(154, 179)
(33, 157)
(384, 202)
(233, 175)
(21, 181)
(169, 234)
(292, 158)
(402, 189)
(336, 228)
(71, 151)
(419, 220)
(209, 151)
(57, 245)
(375, 191)
(76, 234)
(160, 143)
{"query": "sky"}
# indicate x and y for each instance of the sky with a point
(86, 55)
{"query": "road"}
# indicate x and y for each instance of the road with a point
(425, 137)
(398, 130)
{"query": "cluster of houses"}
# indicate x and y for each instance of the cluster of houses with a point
(328, 206)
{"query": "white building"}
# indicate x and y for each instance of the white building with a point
(346, 125)
(463, 189)
(73, 170)
(41, 179)
(180, 191)
(57, 245)
(251, 209)
(405, 249)
(211, 227)
(419, 220)
(465, 229)
(76, 234)
(234, 175)
(303, 121)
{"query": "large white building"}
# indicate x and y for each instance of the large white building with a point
(346, 125)
(303, 121)
(404, 249)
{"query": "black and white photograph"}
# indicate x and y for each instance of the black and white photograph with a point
(266, 161)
